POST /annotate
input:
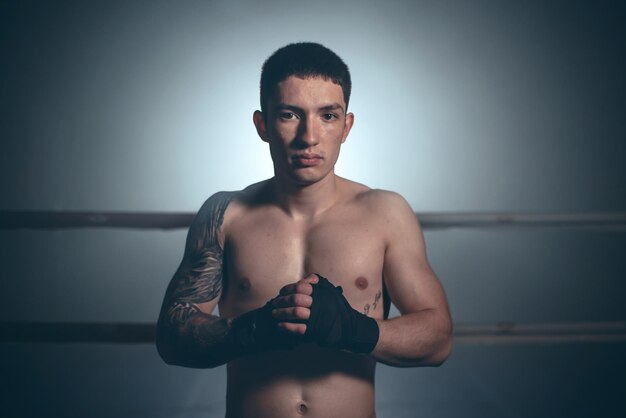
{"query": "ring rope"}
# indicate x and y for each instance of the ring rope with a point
(428, 220)
(466, 334)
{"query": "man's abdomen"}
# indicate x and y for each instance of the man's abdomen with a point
(305, 382)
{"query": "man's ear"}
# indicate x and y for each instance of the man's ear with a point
(348, 126)
(259, 122)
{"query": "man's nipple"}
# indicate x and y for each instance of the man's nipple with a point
(361, 283)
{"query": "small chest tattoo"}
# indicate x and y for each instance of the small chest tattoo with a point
(374, 304)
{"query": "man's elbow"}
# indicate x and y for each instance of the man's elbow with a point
(442, 352)
(167, 356)
(168, 345)
(175, 352)
(442, 347)
(165, 346)
(173, 357)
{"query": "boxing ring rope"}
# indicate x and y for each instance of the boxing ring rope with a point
(499, 333)
(143, 333)
(428, 220)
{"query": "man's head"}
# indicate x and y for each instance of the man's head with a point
(304, 95)
(303, 60)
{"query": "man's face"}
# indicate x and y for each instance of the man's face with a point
(305, 125)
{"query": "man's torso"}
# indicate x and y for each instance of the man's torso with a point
(265, 249)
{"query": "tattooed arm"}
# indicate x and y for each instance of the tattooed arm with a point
(187, 334)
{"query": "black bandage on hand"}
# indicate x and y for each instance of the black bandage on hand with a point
(257, 331)
(334, 323)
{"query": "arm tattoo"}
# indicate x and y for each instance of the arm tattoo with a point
(200, 279)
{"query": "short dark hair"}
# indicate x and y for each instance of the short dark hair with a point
(304, 60)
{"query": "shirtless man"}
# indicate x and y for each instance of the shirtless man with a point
(303, 266)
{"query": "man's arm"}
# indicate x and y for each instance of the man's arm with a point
(422, 335)
(187, 334)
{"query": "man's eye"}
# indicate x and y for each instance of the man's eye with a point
(329, 116)
(287, 115)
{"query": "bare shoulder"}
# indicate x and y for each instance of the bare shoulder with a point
(215, 207)
(228, 204)
(224, 208)
(206, 228)
(220, 210)
(384, 203)
(384, 199)
(388, 209)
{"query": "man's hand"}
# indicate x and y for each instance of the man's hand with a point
(334, 323)
(315, 308)
(278, 325)
(293, 303)
(258, 331)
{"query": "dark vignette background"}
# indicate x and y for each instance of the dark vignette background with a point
(460, 106)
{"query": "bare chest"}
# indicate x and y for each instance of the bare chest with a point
(264, 253)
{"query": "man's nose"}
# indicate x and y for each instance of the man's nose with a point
(309, 132)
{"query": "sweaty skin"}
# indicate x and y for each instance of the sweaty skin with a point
(265, 242)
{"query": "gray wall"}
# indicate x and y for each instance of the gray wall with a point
(465, 106)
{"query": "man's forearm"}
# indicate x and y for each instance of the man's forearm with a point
(201, 341)
(189, 337)
(421, 338)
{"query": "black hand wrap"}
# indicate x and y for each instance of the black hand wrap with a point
(333, 322)
(257, 331)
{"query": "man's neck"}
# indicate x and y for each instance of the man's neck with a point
(306, 201)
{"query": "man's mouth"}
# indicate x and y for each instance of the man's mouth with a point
(306, 160)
